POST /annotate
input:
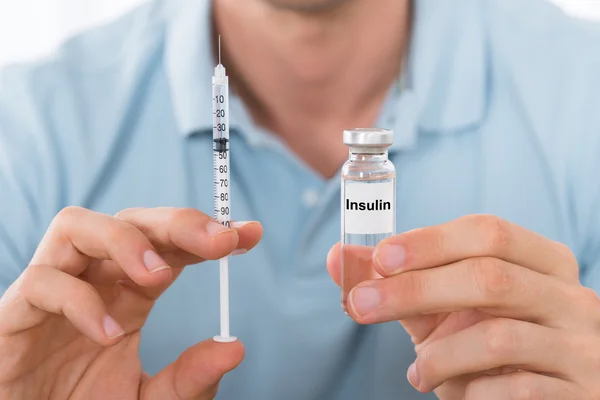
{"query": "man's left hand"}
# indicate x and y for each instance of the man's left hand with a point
(496, 312)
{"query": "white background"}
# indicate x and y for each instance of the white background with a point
(30, 28)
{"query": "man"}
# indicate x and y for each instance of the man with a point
(494, 108)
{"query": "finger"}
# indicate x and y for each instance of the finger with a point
(474, 236)
(523, 385)
(196, 373)
(334, 263)
(249, 232)
(426, 328)
(183, 228)
(493, 344)
(357, 261)
(41, 290)
(494, 286)
(184, 237)
(78, 236)
(417, 327)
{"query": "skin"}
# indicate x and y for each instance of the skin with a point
(306, 6)
(70, 325)
(496, 312)
(325, 58)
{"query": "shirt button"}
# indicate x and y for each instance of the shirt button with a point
(310, 197)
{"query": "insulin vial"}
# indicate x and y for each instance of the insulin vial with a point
(368, 204)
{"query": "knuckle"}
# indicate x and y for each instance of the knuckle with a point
(499, 234)
(523, 386)
(500, 338)
(566, 251)
(496, 231)
(67, 215)
(127, 212)
(587, 304)
(589, 300)
(494, 278)
(571, 260)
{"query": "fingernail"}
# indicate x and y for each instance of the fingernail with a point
(390, 257)
(214, 228)
(153, 262)
(364, 299)
(413, 375)
(239, 224)
(111, 328)
(238, 252)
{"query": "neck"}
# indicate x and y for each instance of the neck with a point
(306, 76)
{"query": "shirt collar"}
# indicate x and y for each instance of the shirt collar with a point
(189, 62)
(446, 81)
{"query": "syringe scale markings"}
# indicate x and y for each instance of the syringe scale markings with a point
(221, 181)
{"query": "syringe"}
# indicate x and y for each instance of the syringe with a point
(220, 93)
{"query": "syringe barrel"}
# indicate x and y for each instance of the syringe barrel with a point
(221, 154)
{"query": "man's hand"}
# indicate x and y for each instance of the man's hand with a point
(70, 325)
(496, 312)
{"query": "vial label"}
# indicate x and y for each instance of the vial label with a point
(369, 207)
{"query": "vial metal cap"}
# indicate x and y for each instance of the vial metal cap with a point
(368, 137)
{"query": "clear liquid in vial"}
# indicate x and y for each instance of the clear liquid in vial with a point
(357, 248)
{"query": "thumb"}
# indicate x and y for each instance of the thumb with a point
(196, 373)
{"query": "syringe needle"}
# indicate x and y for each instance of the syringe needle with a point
(219, 49)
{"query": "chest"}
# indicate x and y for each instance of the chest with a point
(283, 303)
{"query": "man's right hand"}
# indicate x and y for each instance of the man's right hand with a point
(70, 326)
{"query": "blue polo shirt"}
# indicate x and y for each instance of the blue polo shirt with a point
(501, 115)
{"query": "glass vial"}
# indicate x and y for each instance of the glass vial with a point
(368, 204)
